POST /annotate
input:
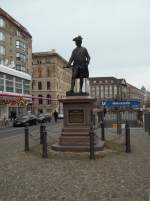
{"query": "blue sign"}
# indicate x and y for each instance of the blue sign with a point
(130, 103)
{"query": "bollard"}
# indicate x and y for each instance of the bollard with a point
(44, 138)
(102, 131)
(41, 133)
(127, 132)
(26, 132)
(92, 153)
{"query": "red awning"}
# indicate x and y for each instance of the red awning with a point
(10, 94)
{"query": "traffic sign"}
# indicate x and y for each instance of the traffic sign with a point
(130, 103)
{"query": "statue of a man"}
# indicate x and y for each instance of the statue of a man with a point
(80, 59)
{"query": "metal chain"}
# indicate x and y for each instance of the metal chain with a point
(34, 136)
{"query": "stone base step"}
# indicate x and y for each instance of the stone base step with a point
(76, 140)
(76, 129)
(69, 148)
(74, 133)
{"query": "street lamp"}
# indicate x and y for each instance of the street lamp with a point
(121, 91)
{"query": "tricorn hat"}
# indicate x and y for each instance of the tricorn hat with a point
(78, 38)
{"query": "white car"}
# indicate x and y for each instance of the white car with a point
(60, 116)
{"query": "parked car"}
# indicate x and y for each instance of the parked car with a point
(43, 118)
(48, 117)
(25, 120)
(60, 116)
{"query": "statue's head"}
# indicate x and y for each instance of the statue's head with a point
(78, 40)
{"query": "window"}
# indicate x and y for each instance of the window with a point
(26, 86)
(39, 72)
(20, 67)
(115, 90)
(33, 84)
(20, 57)
(97, 91)
(2, 61)
(106, 91)
(49, 99)
(2, 36)
(2, 22)
(9, 83)
(48, 85)
(40, 100)
(1, 82)
(18, 85)
(40, 85)
(2, 50)
(48, 73)
(20, 44)
(18, 33)
(110, 91)
(102, 91)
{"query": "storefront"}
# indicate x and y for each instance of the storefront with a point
(14, 92)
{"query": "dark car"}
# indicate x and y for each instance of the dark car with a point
(43, 118)
(25, 120)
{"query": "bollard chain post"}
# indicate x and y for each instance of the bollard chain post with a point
(44, 154)
(26, 132)
(92, 153)
(102, 131)
(127, 132)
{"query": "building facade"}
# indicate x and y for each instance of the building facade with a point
(15, 66)
(50, 81)
(15, 44)
(107, 88)
(135, 93)
(14, 92)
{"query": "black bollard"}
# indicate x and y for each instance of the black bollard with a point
(44, 154)
(127, 132)
(102, 131)
(26, 132)
(92, 153)
(41, 133)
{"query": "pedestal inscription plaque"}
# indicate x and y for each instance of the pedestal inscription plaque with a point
(76, 116)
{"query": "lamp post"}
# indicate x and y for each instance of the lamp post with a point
(121, 94)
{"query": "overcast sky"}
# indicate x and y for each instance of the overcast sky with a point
(115, 32)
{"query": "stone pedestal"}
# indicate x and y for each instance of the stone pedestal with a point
(77, 122)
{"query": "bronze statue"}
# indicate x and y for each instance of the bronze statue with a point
(80, 59)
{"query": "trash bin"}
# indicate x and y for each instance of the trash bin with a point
(114, 125)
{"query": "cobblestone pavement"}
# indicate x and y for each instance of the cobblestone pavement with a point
(113, 176)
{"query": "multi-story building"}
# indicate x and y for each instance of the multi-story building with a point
(15, 66)
(135, 93)
(15, 44)
(50, 81)
(146, 99)
(107, 88)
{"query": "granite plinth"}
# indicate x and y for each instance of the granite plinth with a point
(77, 122)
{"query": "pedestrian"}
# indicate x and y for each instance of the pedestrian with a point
(55, 116)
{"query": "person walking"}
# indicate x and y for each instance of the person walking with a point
(55, 116)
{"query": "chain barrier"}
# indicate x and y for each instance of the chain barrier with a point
(33, 137)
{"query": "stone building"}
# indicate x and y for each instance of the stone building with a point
(15, 66)
(50, 81)
(107, 88)
(135, 93)
(15, 44)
